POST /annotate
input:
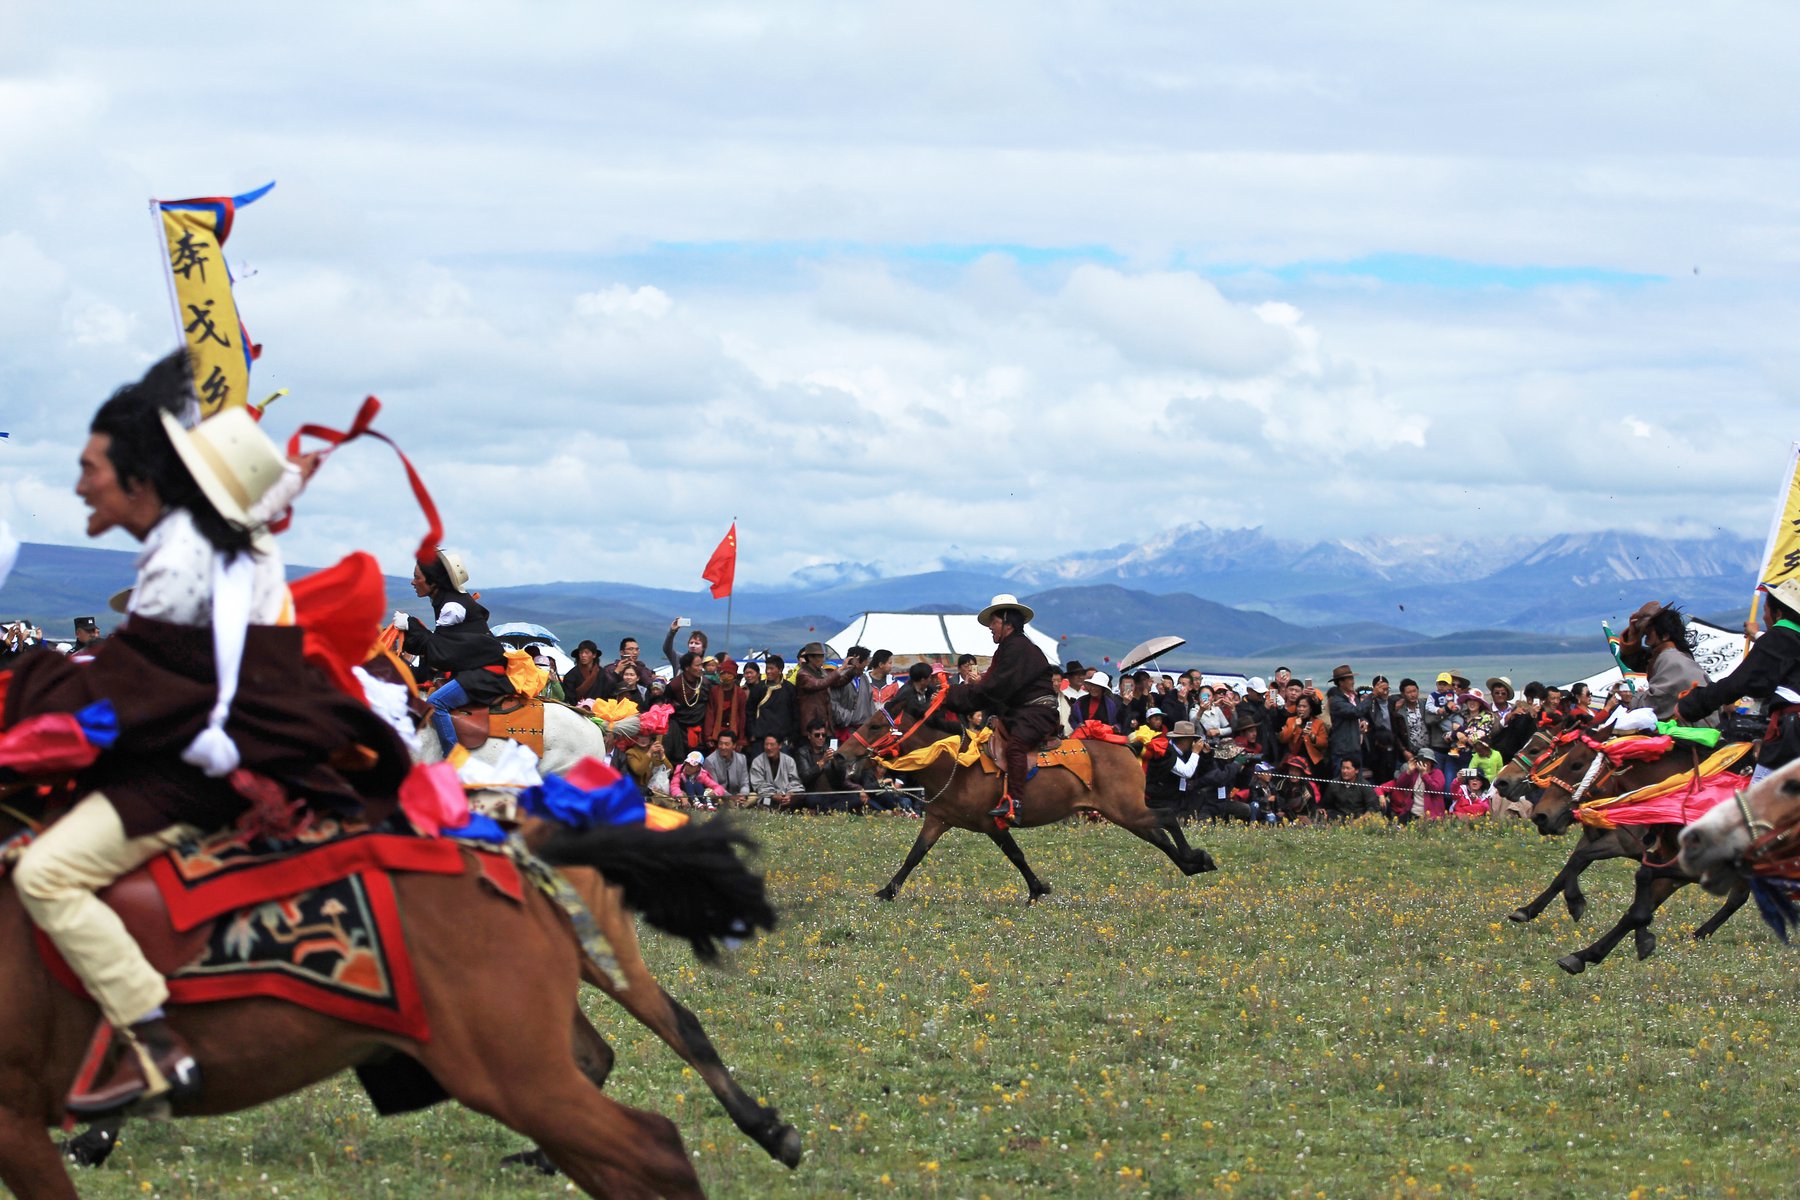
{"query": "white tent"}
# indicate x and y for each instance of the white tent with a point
(942, 637)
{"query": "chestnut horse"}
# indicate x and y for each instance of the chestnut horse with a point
(960, 797)
(473, 954)
(1581, 773)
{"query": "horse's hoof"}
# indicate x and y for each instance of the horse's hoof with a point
(1038, 894)
(90, 1147)
(1574, 964)
(534, 1158)
(787, 1149)
(1519, 916)
(1577, 909)
(1646, 944)
(886, 893)
(1206, 864)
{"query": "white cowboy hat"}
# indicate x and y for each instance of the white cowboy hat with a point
(452, 562)
(232, 460)
(1098, 679)
(1787, 591)
(1004, 601)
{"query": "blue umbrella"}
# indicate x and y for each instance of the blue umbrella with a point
(527, 631)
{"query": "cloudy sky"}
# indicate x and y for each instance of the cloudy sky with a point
(894, 281)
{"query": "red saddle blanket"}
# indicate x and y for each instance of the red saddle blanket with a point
(312, 920)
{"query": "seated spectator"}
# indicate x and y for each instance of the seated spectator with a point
(773, 776)
(1470, 794)
(812, 758)
(1347, 796)
(728, 768)
(690, 781)
(1417, 791)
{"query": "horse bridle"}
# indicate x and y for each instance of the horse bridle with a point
(1751, 821)
(885, 745)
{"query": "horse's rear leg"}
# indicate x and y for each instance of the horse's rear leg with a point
(1169, 840)
(1035, 887)
(1651, 888)
(594, 1059)
(30, 1166)
(929, 832)
(1740, 892)
(1194, 859)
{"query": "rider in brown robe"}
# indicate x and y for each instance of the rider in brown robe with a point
(1016, 689)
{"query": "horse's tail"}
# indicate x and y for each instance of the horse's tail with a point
(689, 882)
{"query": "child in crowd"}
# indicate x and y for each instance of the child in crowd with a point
(692, 781)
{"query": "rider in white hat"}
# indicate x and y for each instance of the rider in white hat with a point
(207, 604)
(1018, 690)
(1769, 672)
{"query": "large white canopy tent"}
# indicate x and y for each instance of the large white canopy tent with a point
(938, 637)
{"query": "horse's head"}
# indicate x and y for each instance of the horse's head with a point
(1513, 781)
(1567, 776)
(1762, 823)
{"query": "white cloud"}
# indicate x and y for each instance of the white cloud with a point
(619, 275)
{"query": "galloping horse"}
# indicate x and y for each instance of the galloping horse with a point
(1582, 772)
(960, 797)
(1513, 781)
(1760, 824)
(473, 954)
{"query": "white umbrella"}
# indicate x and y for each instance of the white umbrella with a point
(1149, 649)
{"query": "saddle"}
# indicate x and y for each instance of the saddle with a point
(1069, 754)
(312, 920)
(516, 717)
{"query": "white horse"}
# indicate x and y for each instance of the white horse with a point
(569, 737)
(1712, 848)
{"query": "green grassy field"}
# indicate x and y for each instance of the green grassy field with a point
(1336, 1012)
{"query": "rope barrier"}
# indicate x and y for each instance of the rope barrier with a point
(1321, 784)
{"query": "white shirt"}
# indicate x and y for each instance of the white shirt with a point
(175, 577)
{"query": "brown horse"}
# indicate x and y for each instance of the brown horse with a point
(1581, 773)
(473, 953)
(960, 797)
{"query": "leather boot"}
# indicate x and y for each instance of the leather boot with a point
(149, 1061)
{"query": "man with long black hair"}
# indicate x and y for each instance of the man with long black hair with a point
(210, 605)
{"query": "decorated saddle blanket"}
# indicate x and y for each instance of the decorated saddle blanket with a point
(1071, 755)
(515, 719)
(312, 920)
(1678, 800)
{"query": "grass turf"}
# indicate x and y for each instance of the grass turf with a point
(1336, 1012)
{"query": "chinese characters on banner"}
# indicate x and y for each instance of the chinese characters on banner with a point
(194, 232)
(1781, 557)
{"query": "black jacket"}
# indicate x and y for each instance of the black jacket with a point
(464, 651)
(772, 713)
(1771, 666)
(913, 702)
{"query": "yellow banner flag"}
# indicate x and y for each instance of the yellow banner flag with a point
(1781, 556)
(193, 233)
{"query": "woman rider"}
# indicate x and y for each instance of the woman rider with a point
(459, 644)
(207, 609)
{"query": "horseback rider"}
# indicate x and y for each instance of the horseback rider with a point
(459, 644)
(1016, 691)
(210, 591)
(1769, 672)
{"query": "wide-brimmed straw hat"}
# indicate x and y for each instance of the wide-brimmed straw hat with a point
(1787, 591)
(1495, 681)
(454, 567)
(232, 460)
(1004, 601)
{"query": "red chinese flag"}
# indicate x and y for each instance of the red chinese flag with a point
(721, 568)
